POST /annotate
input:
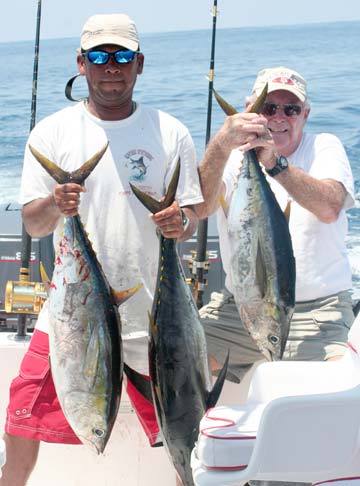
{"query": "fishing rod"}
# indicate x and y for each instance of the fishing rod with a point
(24, 274)
(201, 264)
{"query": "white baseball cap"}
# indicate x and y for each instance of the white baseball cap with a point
(281, 78)
(118, 29)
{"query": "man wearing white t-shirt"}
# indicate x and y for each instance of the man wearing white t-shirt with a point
(313, 173)
(144, 147)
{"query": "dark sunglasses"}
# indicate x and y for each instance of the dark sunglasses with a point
(290, 109)
(103, 57)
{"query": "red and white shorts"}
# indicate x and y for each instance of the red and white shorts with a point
(34, 410)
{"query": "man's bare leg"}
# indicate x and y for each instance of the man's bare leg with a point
(21, 456)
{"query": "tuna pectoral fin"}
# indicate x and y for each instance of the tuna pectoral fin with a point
(287, 211)
(152, 204)
(224, 205)
(45, 279)
(120, 296)
(61, 176)
(261, 276)
(90, 363)
(140, 382)
(218, 386)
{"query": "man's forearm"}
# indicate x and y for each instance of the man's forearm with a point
(193, 221)
(324, 198)
(211, 169)
(41, 216)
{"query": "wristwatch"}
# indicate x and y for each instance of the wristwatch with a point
(185, 220)
(281, 164)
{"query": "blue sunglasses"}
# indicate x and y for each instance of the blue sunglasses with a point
(103, 57)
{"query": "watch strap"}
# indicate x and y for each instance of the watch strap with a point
(281, 164)
(185, 220)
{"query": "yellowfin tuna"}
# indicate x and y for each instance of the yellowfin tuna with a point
(85, 330)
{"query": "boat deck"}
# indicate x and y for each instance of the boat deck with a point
(128, 459)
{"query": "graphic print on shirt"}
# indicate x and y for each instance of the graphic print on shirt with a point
(137, 163)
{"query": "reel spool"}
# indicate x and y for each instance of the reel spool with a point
(23, 296)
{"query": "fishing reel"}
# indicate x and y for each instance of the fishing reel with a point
(23, 296)
(194, 265)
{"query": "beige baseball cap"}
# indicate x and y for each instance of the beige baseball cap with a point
(118, 29)
(281, 78)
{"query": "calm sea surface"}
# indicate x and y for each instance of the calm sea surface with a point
(175, 80)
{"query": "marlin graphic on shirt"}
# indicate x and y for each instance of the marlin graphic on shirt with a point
(137, 168)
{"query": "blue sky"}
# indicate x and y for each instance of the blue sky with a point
(64, 18)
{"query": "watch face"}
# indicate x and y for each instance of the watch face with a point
(282, 162)
(185, 220)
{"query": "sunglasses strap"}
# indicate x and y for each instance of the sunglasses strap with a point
(68, 89)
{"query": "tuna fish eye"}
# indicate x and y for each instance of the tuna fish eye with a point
(274, 339)
(99, 432)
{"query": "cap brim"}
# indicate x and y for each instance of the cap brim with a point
(108, 39)
(285, 87)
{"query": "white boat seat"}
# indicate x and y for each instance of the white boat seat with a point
(222, 428)
(300, 423)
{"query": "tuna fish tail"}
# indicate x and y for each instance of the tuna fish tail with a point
(140, 382)
(218, 386)
(230, 110)
(224, 105)
(61, 176)
(143, 386)
(152, 204)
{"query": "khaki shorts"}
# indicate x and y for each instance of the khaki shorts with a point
(318, 331)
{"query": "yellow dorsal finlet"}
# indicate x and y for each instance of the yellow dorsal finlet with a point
(121, 296)
(45, 278)
(224, 205)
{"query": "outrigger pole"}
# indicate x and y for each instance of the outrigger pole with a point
(24, 275)
(200, 261)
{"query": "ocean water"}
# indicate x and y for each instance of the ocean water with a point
(175, 80)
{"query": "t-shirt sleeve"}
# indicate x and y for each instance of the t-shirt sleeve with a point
(189, 190)
(35, 181)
